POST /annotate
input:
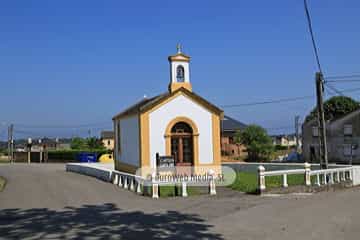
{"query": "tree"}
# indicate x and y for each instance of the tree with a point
(335, 107)
(87, 144)
(257, 142)
(94, 143)
(78, 143)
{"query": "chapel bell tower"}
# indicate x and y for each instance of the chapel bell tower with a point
(179, 71)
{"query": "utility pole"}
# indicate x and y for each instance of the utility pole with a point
(297, 119)
(29, 149)
(321, 121)
(11, 142)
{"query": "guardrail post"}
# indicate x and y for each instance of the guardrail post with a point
(184, 189)
(138, 188)
(120, 181)
(351, 174)
(318, 180)
(338, 176)
(324, 179)
(307, 174)
(155, 190)
(212, 187)
(132, 185)
(285, 183)
(331, 179)
(126, 182)
(342, 176)
(116, 179)
(261, 179)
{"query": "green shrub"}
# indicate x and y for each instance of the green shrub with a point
(280, 148)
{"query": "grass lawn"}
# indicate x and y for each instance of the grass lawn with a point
(172, 191)
(4, 159)
(2, 183)
(247, 181)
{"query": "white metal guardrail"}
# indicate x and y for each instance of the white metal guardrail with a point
(323, 177)
(137, 184)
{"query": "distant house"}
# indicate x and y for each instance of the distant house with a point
(229, 127)
(285, 140)
(343, 139)
(107, 138)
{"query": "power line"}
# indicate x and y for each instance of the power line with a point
(64, 126)
(312, 35)
(329, 91)
(280, 128)
(334, 89)
(342, 81)
(268, 102)
(344, 76)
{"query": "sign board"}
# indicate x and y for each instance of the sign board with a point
(165, 161)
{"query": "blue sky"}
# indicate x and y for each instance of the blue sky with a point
(72, 63)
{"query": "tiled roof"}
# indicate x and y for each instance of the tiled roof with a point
(146, 104)
(107, 134)
(230, 124)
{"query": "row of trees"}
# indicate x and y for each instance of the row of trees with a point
(87, 144)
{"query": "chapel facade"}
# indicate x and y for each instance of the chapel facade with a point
(178, 123)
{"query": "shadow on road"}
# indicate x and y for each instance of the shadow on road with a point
(100, 222)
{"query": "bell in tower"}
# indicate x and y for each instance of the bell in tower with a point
(179, 71)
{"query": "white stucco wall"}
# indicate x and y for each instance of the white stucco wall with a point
(181, 106)
(129, 141)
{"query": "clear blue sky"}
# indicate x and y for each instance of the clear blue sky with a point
(79, 62)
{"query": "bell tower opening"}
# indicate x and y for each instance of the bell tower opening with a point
(179, 71)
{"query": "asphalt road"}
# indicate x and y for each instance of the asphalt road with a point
(45, 202)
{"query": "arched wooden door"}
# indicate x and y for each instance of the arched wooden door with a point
(182, 147)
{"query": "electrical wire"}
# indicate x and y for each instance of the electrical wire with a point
(342, 81)
(64, 126)
(344, 76)
(308, 17)
(334, 89)
(268, 102)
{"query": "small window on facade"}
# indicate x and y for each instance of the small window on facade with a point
(315, 131)
(348, 130)
(109, 143)
(180, 74)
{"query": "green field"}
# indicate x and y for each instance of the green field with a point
(2, 183)
(247, 182)
(172, 191)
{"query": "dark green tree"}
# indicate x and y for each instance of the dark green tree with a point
(257, 142)
(78, 144)
(94, 143)
(335, 107)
